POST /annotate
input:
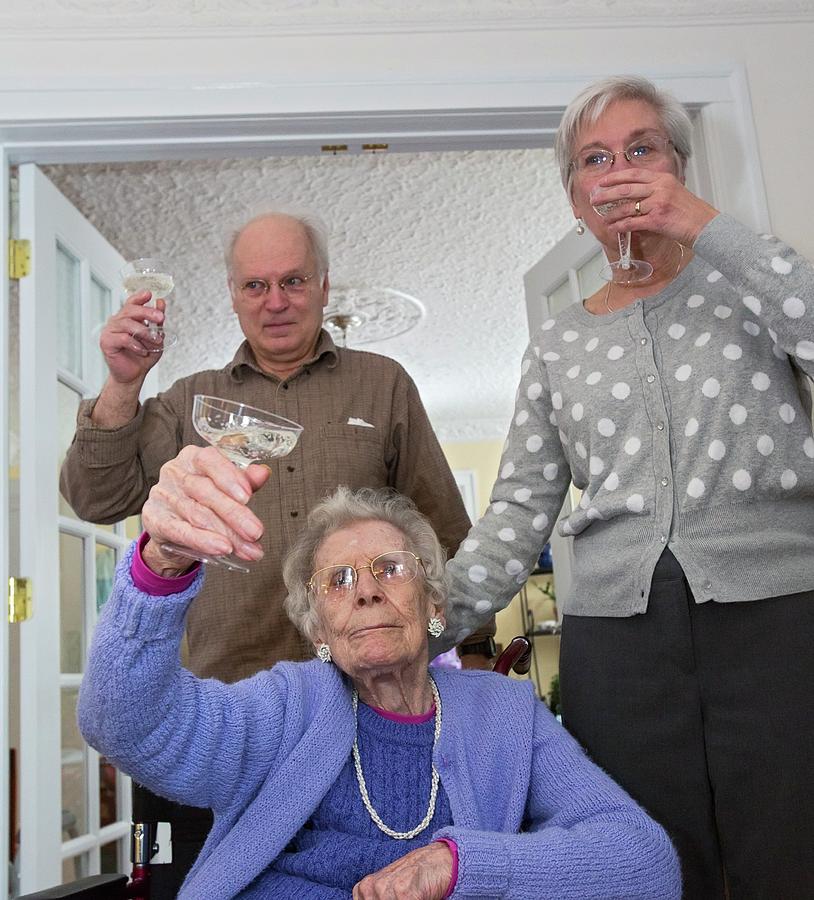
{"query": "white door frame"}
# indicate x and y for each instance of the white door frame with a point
(136, 118)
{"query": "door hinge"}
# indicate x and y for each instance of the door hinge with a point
(19, 258)
(20, 600)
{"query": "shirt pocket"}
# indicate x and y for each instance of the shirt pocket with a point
(352, 455)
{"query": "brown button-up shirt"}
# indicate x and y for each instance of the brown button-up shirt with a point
(364, 426)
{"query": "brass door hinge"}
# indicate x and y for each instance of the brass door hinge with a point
(20, 600)
(19, 258)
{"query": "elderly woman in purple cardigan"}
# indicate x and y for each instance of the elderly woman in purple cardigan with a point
(359, 774)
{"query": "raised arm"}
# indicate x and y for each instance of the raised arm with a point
(777, 283)
(184, 737)
(119, 446)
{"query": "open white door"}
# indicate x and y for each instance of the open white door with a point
(74, 808)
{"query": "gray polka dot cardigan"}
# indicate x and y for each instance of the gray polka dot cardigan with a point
(686, 421)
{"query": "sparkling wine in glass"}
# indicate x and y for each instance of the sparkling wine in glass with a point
(244, 435)
(151, 274)
(624, 270)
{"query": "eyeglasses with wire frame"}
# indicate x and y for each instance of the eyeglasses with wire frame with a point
(647, 150)
(293, 285)
(395, 567)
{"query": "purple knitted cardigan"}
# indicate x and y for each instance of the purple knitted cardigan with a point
(262, 753)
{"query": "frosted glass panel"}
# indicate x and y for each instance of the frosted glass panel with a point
(69, 312)
(71, 603)
(74, 770)
(108, 793)
(67, 407)
(105, 568)
(100, 310)
(590, 281)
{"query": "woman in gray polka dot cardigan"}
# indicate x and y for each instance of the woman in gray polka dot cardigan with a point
(679, 405)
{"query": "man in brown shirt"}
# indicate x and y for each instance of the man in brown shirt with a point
(364, 426)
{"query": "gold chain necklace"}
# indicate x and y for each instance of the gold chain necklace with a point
(610, 283)
(357, 764)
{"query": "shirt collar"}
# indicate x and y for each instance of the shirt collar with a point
(245, 357)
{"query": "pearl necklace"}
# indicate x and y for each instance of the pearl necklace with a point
(610, 283)
(357, 764)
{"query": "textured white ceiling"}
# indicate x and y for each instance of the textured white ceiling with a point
(457, 230)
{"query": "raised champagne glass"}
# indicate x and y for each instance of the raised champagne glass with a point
(244, 435)
(624, 270)
(151, 274)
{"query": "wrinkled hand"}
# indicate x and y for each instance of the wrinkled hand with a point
(667, 207)
(200, 502)
(422, 874)
(125, 342)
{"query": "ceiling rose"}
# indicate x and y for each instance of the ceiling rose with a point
(363, 315)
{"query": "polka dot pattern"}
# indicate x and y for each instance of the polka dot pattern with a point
(753, 305)
(794, 308)
(765, 445)
(738, 414)
(788, 480)
(689, 394)
(635, 503)
(787, 413)
(717, 450)
(696, 488)
(711, 388)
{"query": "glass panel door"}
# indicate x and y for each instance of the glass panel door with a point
(74, 806)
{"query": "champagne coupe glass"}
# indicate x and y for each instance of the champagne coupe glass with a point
(244, 435)
(624, 270)
(151, 274)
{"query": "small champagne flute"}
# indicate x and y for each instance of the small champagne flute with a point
(151, 274)
(244, 435)
(624, 270)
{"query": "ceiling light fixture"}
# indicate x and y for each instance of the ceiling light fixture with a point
(370, 314)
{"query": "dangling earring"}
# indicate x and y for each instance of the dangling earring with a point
(324, 653)
(436, 627)
(580, 227)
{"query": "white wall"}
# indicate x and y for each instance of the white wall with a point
(295, 73)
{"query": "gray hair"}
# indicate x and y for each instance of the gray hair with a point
(589, 104)
(316, 233)
(341, 509)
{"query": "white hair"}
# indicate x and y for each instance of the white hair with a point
(589, 104)
(345, 507)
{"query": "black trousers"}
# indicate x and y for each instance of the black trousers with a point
(190, 826)
(704, 713)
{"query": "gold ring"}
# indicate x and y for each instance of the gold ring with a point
(638, 207)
